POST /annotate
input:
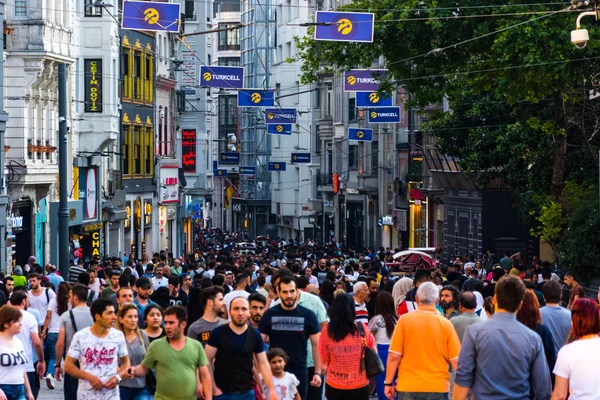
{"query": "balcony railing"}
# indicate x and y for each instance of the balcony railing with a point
(324, 179)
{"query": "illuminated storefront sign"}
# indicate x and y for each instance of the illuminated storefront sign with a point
(93, 85)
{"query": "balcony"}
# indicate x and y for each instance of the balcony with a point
(325, 180)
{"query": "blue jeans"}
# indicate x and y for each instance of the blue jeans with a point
(51, 340)
(134, 393)
(14, 392)
(382, 350)
(71, 385)
(421, 396)
(34, 382)
(237, 396)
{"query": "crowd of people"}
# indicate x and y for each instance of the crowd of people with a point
(293, 321)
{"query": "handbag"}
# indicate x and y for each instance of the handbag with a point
(370, 361)
(150, 377)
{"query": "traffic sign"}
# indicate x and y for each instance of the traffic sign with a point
(345, 26)
(151, 16)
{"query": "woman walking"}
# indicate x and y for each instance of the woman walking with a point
(137, 345)
(153, 315)
(14, 384)
(57, 306)
(577, 368)
(341, 350)
(382, 327)
(399, 292)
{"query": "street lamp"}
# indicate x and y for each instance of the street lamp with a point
(580, 37)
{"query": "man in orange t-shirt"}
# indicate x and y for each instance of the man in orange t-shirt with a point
(423, 345)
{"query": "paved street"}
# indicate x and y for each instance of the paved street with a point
(56, 394)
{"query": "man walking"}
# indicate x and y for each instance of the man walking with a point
(502, 358)
(361, 295)
(102, 354)
(258, 302)
(449, 300)
(181, 365)
(575, 289)
(144, 291)
(467, 317)
(159, 280)
(242, 282)
(288, 326)
(555, 317)
(39, 296)
(211, 299)
(71, 322)
(423, 345)
(233, 347)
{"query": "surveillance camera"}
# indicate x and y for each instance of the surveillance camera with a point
(580, 37)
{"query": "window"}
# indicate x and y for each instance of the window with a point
(374, 157)
(329, 100)
(229, 61)
(352, 109)
(127, 78)
(90, 11)
(229, 39)
(20, 8)
(353, 157)
(228, 110)
(127, 149)
(138, 73)
(147, 153)
(137, 156)
(148, 82)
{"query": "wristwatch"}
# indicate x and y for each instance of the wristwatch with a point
(119, 379)
(387, 384)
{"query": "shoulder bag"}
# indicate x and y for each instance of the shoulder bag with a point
(370, 362)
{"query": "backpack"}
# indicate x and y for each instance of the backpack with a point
(90, 298)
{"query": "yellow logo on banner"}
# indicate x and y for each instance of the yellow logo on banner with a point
(241, 169)
(373, 114)
(279, 128)
(151, 16)
(256, 98)
(374, 98)
(270, 116)
(219, 172)
(295, 158)
(223, 157)
(360, 134)
(351, 80)
(276, 166)
(207, 76)
(344, 26)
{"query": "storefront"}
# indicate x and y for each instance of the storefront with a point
(20, 225)
(76, 211)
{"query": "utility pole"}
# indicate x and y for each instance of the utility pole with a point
(63, 207)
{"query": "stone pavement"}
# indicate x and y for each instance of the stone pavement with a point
(46, 394)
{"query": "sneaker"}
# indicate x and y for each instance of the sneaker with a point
(50, 381)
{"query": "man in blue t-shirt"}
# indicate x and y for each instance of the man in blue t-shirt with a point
(288, 326)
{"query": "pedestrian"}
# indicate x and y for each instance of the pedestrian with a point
(233, 348)
(113, 278)
(74, 272)
(19, 279)
(14, 383)
(153, 315)
(449, 301)
(555, 317)
(341, 351)
(468, 316)
(576, 290)
(258, 303)
(423, 346)
(501, 358)
(71, 321)
(242, 283)
(382, 327)
(285, 383)
(142, 300)
(288, 326)
(361, 295)
(137, 345)
(39, 296)
(56, 308)
(101, 351)
(159, 280)
(32, 343)
(52, 276)
(212, 301)
(399, 292)
(178, 362)
(577, 369)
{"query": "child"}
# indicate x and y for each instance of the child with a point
(284, 382)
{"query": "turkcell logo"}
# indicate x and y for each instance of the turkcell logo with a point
(151, 16)
(363, 80)
(300, 158)
(222, 77)
(276, 166)
(280, 116)
(388, 115)
(372, 99)
(344, 26)
(279, 129)
(229, 158)
(247, 170)
(360, 134)
(256, 98)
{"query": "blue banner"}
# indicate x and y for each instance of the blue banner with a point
(222, 77)
(345, 26)
(229, 158)
(247, 170)
(361, 134)
(256, 98)
(280, 116)
(280, 129)
(363, 80)
(298, 158)
(220, 173)
(276, 166)
(388, 115)
(151, 16)
(372, 99)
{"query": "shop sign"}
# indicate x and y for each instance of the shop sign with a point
(93, 85)
(96, 244)
(188, 150)
(169, 187)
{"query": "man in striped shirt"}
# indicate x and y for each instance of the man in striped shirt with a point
(75, 271)
(361, 295)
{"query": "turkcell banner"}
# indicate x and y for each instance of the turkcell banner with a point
(388, 115)
(256, 98)
(222, 77)
(229, 158)
(363, 80)
(220, 173)
(361, 134)
(298, 158)
(280, 116)
(151, 16)
(345, 26)
(247, 170)
(276, 166)
(279, 129)
(371, 100)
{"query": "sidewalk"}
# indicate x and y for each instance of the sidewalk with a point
(46, 394)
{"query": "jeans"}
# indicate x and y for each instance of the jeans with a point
(34, 382)
(421, 396)
(135, 393)
(236, 396)
(51, 340)
(382, 350)
(350, 394)
(14, 392)
(71, 385)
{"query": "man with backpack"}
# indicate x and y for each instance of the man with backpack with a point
(78, 318)
(39, 296)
